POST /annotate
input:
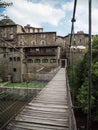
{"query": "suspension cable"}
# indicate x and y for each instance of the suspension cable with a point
(73, 20)
(89, 67)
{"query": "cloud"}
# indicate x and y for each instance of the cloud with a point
(26, 12)
(68, 6)
(82, 17)
(40, 13)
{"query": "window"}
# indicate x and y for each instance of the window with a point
(21, 43)
(33, 42)
(52, 60)
(74, 42)
(29, 60)
(18, 58)
(44, 60)
(15, 50)
(10, 59)
(37, 49)
(11, 49)
(11, 36)
(43, 42)
(14, 70)
(37, 61)
(4, 55)
(43, 36)
(24, 60)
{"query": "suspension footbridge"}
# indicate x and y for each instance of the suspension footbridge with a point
(50, 110)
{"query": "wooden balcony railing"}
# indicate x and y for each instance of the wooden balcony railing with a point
(40, 53)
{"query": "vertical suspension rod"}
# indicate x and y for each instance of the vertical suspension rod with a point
(89, 67)
(73, 20)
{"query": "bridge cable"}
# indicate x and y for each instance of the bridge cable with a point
(89, 67)
(89, 58)
(70, 44)
(73, 20)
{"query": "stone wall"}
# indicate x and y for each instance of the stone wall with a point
(40, 76)
(37, 39)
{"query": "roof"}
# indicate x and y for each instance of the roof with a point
(28, 26)
(7, 22)
(35, 33)
(77, 34)
(46, 46)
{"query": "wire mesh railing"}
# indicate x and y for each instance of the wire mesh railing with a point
(72, 121)
(12, 100)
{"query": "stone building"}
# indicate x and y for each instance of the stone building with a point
(78, 46)
(25, 50)
(30, 29)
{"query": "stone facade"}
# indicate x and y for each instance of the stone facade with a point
(36, 39)
(61, 41)
(79, 38)
(26, 51)
(78, 46)
(30, 29)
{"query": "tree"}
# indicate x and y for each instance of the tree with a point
(80, 78)
(4, 4)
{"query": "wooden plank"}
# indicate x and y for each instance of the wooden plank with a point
(48, 111)
(42, 120)
(30, 126)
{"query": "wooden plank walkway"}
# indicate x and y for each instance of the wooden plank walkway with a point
(49, 110)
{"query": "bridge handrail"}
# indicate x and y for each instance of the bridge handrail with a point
(72, 121)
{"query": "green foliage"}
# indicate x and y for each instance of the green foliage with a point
(82, 97)
(95, 42)
(4, 4)
(95, 71)
(77, 74)
(1, 80)
(95, 49)
(80, 78)
(34, 84)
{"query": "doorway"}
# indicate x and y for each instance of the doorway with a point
(63, 63)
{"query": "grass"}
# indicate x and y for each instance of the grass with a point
(33, 84)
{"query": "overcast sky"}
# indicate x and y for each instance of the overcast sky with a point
(53, 15)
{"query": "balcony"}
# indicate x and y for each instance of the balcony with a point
(40, 53)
